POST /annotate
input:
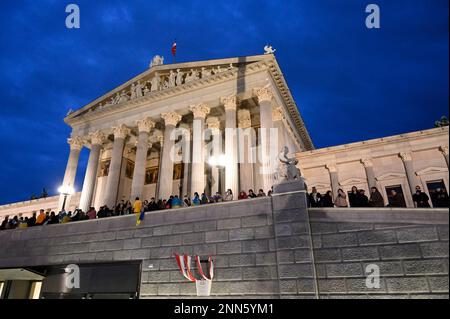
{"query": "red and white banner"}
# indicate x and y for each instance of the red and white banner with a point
(174, 48)
(184, 264)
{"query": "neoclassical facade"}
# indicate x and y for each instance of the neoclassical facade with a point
(155, 135)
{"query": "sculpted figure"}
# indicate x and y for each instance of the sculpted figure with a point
(206, 73)
(189, 77)
(115, 99)
(133, 91)
(179, 80)
(157, 60)
(138, 89)
(146, 89)
(172, 79)
(155, 82)
(287, 169)
(269, 50)
(165, 85)
(123, 97)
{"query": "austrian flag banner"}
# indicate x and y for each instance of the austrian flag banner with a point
(184, 264)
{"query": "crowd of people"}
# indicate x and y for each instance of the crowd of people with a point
(355, 198)
(358, 198)
(123, 208)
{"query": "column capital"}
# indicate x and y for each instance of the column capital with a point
(213, 124)
(76, 143)
(405, 156)
(200, 110)
(444, 150)
(332, 168)
(145, 125)
(244, 118)
(229, 102)
(97, 137)
(121, 131)
(277, 114)
(171, 118)
(367, 162)
(263, 94)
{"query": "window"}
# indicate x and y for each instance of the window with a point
(395, 196)
(438, 193)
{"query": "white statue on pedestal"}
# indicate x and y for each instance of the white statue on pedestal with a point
(172, 79)
(269, 50)
(179, 80)
(287, 169)
(157, 60)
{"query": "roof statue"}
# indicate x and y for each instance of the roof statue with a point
(157, 60)
(269, 50)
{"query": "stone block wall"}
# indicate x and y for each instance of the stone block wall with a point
(412, 256)
(263, 248)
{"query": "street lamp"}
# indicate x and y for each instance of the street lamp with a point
(66, 191)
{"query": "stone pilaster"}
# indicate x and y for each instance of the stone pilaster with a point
(187, 158)
(200, 112)
(334, 178)
(97, 139)
(231, 167)
(112, 183)
(76, 144)
(264, 96)
(165, 187)
(368, 166)
(137, 185)
(413, 181)
(444, 151)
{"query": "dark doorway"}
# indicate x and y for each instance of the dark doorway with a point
(400, 201)
(438, 193)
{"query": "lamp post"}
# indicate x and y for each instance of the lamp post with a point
(66, 191)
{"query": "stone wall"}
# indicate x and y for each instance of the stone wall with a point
(409, 247)
(262, 249)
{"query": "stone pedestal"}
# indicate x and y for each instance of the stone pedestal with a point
(293, 236)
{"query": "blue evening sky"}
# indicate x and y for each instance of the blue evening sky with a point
(350, 83)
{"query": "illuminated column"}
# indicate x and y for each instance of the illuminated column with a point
(231, 166)
(444, 151)
(214, 126)
(245, 150)
(186, 157)
(112, 183)
(198, 143)
(264, 96)
(137, 184)
(368, 166)
(97, 139)
(76, 144)
(277, 117)
(171, 120)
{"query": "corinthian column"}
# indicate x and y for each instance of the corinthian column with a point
(76, 144)
(231, 167)
(264, 96)
(214, 126)
(245, 150)
(97, 139)
(444, 151)
(112, 184)
(171, 120)
(144, 127)
(410, 174)
(368, 166)
(198, 143)
(277, 117)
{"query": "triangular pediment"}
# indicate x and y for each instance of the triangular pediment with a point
(353, 181)
(431, 170)
(165, 78)
(389, 176)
